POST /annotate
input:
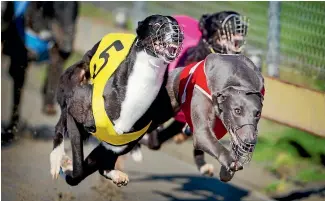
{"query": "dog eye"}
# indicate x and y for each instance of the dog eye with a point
(237, 110)
(258, 114)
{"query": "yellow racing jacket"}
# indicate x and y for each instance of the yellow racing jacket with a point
(111, 51)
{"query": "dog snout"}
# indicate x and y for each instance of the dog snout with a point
(248, 134)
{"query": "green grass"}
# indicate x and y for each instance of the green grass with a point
(302, 27)
(279, 186)
(279, 156)
(91, 11)
(295, 76)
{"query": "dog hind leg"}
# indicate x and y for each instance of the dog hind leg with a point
(107, 169)
(17, 70)
(103, 160)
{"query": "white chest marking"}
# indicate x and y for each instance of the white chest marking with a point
(143, 86)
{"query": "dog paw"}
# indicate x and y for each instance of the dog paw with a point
(207, 169)
(180, 138)
(66, 163)
(56, 157)
(119, 178)
(225, 175)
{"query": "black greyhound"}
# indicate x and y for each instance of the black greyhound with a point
(114, 93)
(55, 21)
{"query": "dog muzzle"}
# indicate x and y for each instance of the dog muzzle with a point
(243, 151)
(166, 42)
(231, 36)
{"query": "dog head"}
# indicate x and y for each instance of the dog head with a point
(224, 32)
(160, 36)
(240, 111)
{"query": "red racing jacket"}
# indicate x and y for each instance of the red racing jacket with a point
(192, 76)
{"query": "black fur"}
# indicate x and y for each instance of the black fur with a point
(76, 110)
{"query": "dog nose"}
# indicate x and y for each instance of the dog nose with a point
(247, 134)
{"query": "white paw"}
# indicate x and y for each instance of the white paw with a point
(119, 178)
(136, 155)
(66, 163)
(207, 169)
(56, 157)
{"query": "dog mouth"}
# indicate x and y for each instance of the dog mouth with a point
(233, 44)
(172, 49)
(171, 52)
(168, 51)
(243, 151)
(167, 42)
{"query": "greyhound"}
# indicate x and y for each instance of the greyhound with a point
(39, 32)
(220, 94)
(113, 94)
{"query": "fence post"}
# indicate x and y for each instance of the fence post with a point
(139, 12)
(273, 53)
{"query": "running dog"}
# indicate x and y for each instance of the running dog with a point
(220, 94)
(114, 93)
(38, 32)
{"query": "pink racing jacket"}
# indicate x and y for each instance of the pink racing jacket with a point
(192, 35)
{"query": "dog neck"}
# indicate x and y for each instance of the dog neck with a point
(144, 81)
(172, 87)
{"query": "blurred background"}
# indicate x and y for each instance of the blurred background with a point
(285, 39)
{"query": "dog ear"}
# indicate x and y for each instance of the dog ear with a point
(140, 29)
(220, 98)
(217, 100)
(202, 24)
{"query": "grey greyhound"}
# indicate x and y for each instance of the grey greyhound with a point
(223, 93)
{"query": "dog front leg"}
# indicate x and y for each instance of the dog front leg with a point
(74, 175)
(77, 151)
(203, 117)
(54, 72)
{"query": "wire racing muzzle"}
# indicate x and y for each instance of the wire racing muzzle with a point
(166, 42)
(230, 37)
(242, 151)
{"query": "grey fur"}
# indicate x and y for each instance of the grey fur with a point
(230, 76)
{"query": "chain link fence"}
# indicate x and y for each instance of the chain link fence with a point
(300, 32)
